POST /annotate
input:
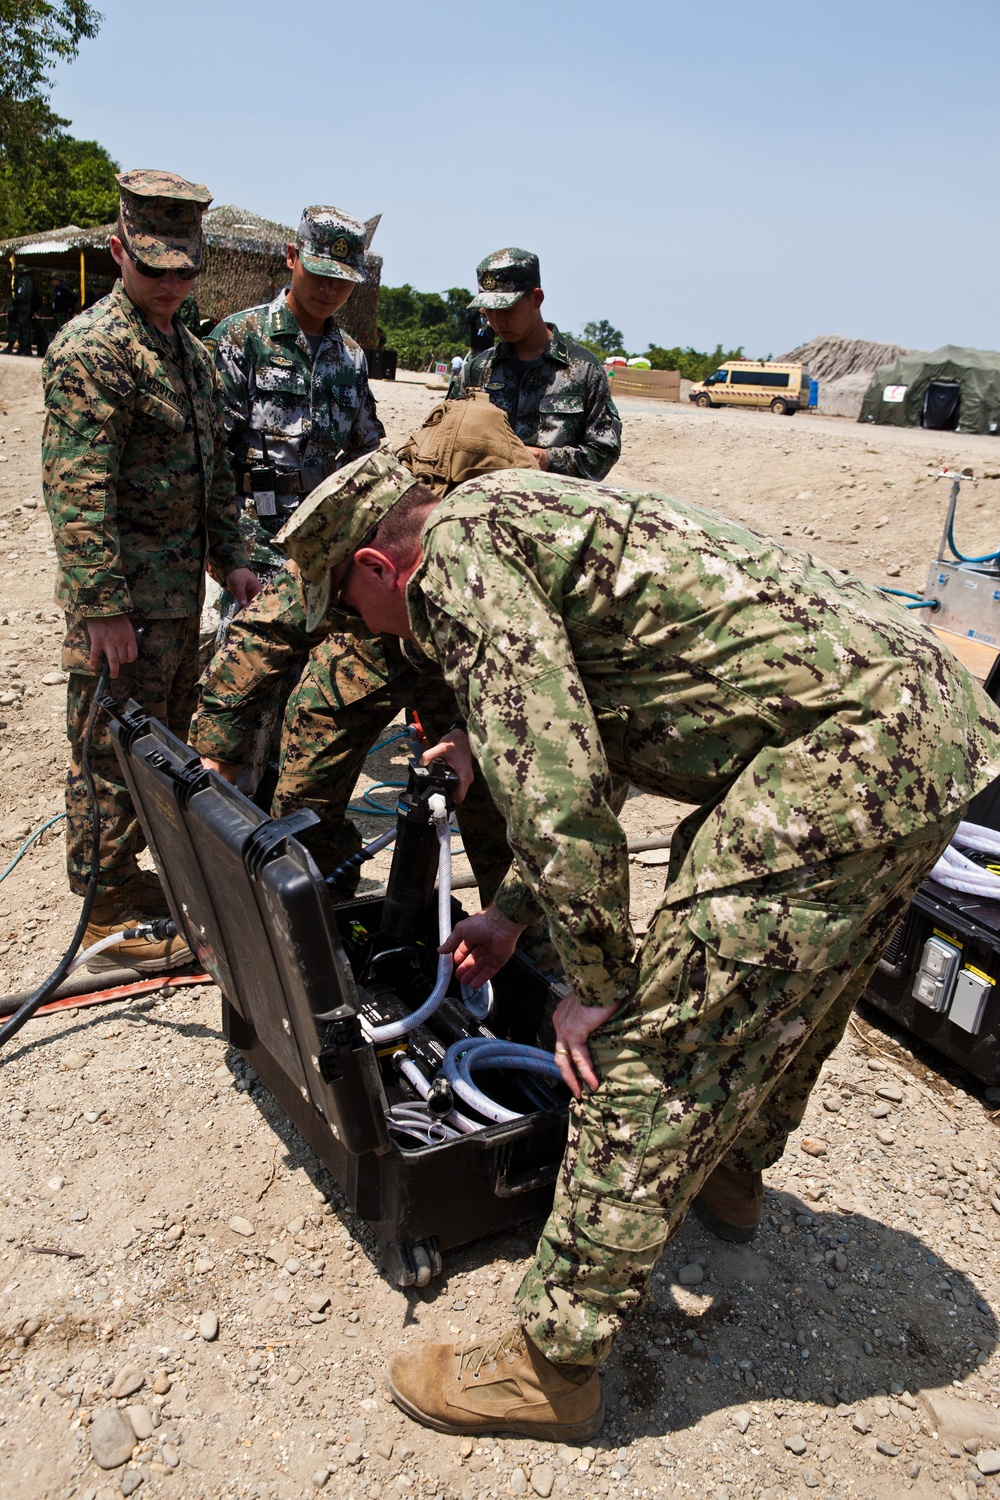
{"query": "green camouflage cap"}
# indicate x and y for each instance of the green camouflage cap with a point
(340, 512)
(331, 243)
(161, 216)
(504, 276)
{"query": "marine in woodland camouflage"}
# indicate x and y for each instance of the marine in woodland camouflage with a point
(314, 413)
(137, 482)
(562, 403)
(830, 745)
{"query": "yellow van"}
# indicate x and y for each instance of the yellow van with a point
(750, 382)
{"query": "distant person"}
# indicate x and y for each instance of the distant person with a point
(555, 392)
(63, 303)
(19, 318)
(141, 498)
(39, 332)
(455, 384)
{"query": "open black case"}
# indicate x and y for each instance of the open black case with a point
(255, 910)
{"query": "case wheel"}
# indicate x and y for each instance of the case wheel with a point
(413, 1265)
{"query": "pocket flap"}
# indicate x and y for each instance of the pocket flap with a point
(775, 933)
(568, 403)
(160, 410)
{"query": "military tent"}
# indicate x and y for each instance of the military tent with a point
(950, 389)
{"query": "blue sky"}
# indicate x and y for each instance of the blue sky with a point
(749, 173)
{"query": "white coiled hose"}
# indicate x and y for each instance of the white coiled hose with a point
(393, 1030)
(477, 1052)
(959, 873)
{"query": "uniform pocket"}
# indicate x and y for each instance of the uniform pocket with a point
(567, 405)
(286, 382)
(775, 932)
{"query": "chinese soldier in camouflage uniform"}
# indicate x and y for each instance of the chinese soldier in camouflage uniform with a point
(298, 404)
(141, 499)
(829, 745)
(297, 400)
(352, 685)
(555, 393)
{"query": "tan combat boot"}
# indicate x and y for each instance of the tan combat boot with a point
(112, 912)
(506, 1385)
(731, 1203)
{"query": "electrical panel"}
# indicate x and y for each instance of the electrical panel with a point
(935, 977)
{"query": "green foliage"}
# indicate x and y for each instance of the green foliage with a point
(692, 364)
(34, 34)
(602, 338)
(46, 177)
(66, 182)
(424, 326)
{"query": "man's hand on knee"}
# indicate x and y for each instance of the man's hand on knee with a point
(111, 636)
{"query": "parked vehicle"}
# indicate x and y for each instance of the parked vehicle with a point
(748, 382)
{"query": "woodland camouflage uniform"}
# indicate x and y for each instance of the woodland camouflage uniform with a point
(830, 745)
(141, 499)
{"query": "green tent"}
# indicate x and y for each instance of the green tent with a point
(950, 389)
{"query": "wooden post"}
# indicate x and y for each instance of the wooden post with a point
(83, 281)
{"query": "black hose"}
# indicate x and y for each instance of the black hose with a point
(48, 986)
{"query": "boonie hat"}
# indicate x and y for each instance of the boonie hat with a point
(504, 276)
(161, 216)
(340, 512)
(331, 243)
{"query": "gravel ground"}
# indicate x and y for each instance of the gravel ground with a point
(187, 1305)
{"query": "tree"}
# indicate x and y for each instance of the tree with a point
(47, 178)
(602, 338)
(692, 364)
(66, 182)
(424, 326)
(34, 34)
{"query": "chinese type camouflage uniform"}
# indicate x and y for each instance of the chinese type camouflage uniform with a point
(560, 402)
(314, 412)
(352, 684)
(831, 746)
(140, 495)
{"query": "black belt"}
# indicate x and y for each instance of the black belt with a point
(290, 483)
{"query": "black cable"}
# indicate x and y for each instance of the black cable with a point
(55, 979)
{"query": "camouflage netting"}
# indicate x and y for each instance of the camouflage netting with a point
(245, 265)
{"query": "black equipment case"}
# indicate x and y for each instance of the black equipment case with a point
(940, 975)
(254, 909)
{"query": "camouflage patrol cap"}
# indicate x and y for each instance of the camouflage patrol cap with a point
(161, 216)
(504, 276)
(340, 512)
(331, 243)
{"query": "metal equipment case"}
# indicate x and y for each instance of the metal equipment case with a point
(252, 905)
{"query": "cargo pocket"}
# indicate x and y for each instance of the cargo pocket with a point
(775, 932)
(616, 1243)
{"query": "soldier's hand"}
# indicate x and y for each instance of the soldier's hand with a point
(457, 754)
(574, 1023)
(243, 585)
(539, 455)
(481, 946)
(111, 636)
(227, 769)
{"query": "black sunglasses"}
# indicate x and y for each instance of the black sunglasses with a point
(155, 272)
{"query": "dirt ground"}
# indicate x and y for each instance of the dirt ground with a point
(153, 1193)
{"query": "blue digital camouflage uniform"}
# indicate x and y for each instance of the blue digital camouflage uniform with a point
(561, 402)
(140, 496)
(313, 412)
(829, 745)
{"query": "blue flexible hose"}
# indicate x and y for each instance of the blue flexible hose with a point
(28, 843)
